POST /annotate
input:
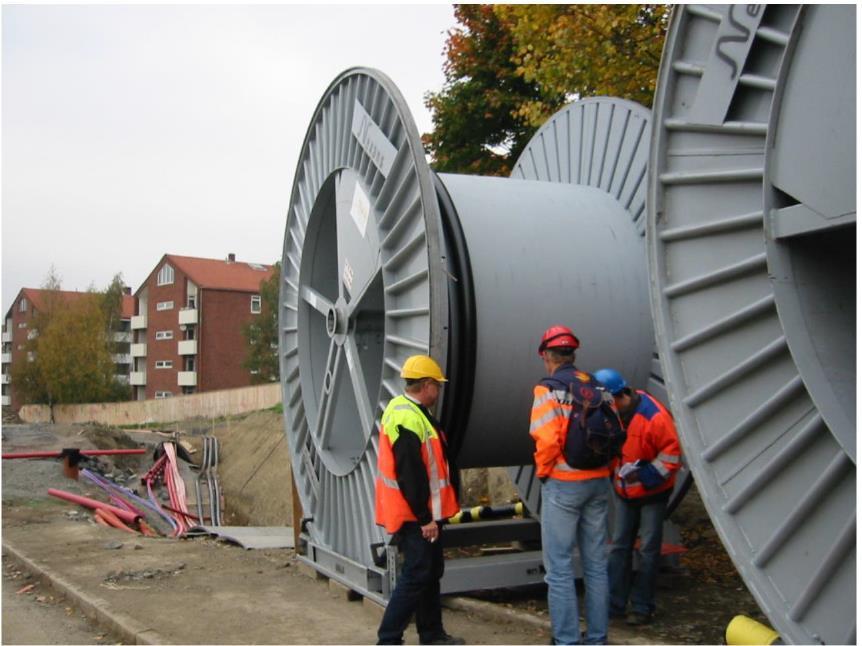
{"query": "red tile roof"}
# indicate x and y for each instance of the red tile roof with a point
(209, 273)
(38, 296)
(38, 299)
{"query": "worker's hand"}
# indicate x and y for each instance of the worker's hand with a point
(430, 532)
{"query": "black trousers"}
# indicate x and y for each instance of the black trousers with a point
(417, 590)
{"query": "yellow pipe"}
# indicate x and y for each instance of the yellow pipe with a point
(744, 631)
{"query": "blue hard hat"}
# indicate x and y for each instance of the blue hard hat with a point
(611, 379)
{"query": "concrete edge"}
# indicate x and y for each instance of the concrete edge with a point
(127, 628)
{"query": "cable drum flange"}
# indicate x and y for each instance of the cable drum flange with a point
(360, 292)
(736, 297)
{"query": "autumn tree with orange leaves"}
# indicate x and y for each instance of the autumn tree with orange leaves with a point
(509, 67)
(478, 128)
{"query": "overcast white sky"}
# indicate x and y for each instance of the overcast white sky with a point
(133, 131)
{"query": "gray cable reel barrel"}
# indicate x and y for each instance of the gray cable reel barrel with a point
(752, 259)
(384, 259)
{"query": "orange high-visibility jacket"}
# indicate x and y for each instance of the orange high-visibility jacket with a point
(549, 423)
(650, 436)
(391, 508)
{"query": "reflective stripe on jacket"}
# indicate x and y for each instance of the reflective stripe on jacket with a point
(549, 423)
(650, 436)
(390, 506)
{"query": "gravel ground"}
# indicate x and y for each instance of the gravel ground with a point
(695, 601)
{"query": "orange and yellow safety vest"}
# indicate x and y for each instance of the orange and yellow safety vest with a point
(391, 507)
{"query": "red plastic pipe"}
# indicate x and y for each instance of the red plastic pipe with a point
(113, 521)
(122, 514)
(57, 454)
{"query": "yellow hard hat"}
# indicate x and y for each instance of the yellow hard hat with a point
(420, 366)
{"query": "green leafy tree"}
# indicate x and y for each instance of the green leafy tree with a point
(28, 382)
(478, 127)
(112, 303)
(582, 50)
(69, 349)
(509, 67)
(73, 355)
(261, 333)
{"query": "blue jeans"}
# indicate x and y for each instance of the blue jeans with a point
(575, 515)
(629, 517)
(417, 590)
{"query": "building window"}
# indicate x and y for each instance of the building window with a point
(163, 394)
(191, 295)
(164, 305)
(166, 275)
(188, 390)
(165, 364)
(22, 305)
(190, 364)
(20, 325)
(255, 304)
(164, 335)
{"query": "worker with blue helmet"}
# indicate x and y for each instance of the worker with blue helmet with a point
(643, 478)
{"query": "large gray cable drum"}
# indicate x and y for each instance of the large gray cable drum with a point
(752, 260)
(383, 259)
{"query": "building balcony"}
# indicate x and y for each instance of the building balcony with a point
(188, 317)
(7, 336)
(123, 337)
(139, 322)
(123, 379)
(138, 378)
(138, 349)
(187, 378)
(187, 347)
(6, 357)
(122, 358)
(6, 400)
(4, 379)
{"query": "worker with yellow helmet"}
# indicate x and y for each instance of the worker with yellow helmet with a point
(413, 495)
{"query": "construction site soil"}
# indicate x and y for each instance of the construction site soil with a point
(695, 601)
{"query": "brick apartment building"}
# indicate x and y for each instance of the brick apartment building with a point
(17, 330)
(187, 331)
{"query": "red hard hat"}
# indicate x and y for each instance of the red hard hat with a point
(558, 336)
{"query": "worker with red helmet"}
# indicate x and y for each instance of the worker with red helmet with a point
(574, 501)
(413, 495)
(643, 479)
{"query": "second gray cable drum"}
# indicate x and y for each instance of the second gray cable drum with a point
(544, 254)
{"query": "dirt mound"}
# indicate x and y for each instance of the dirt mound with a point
(254, 470)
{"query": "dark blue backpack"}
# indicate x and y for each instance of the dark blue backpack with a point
(595, 434)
